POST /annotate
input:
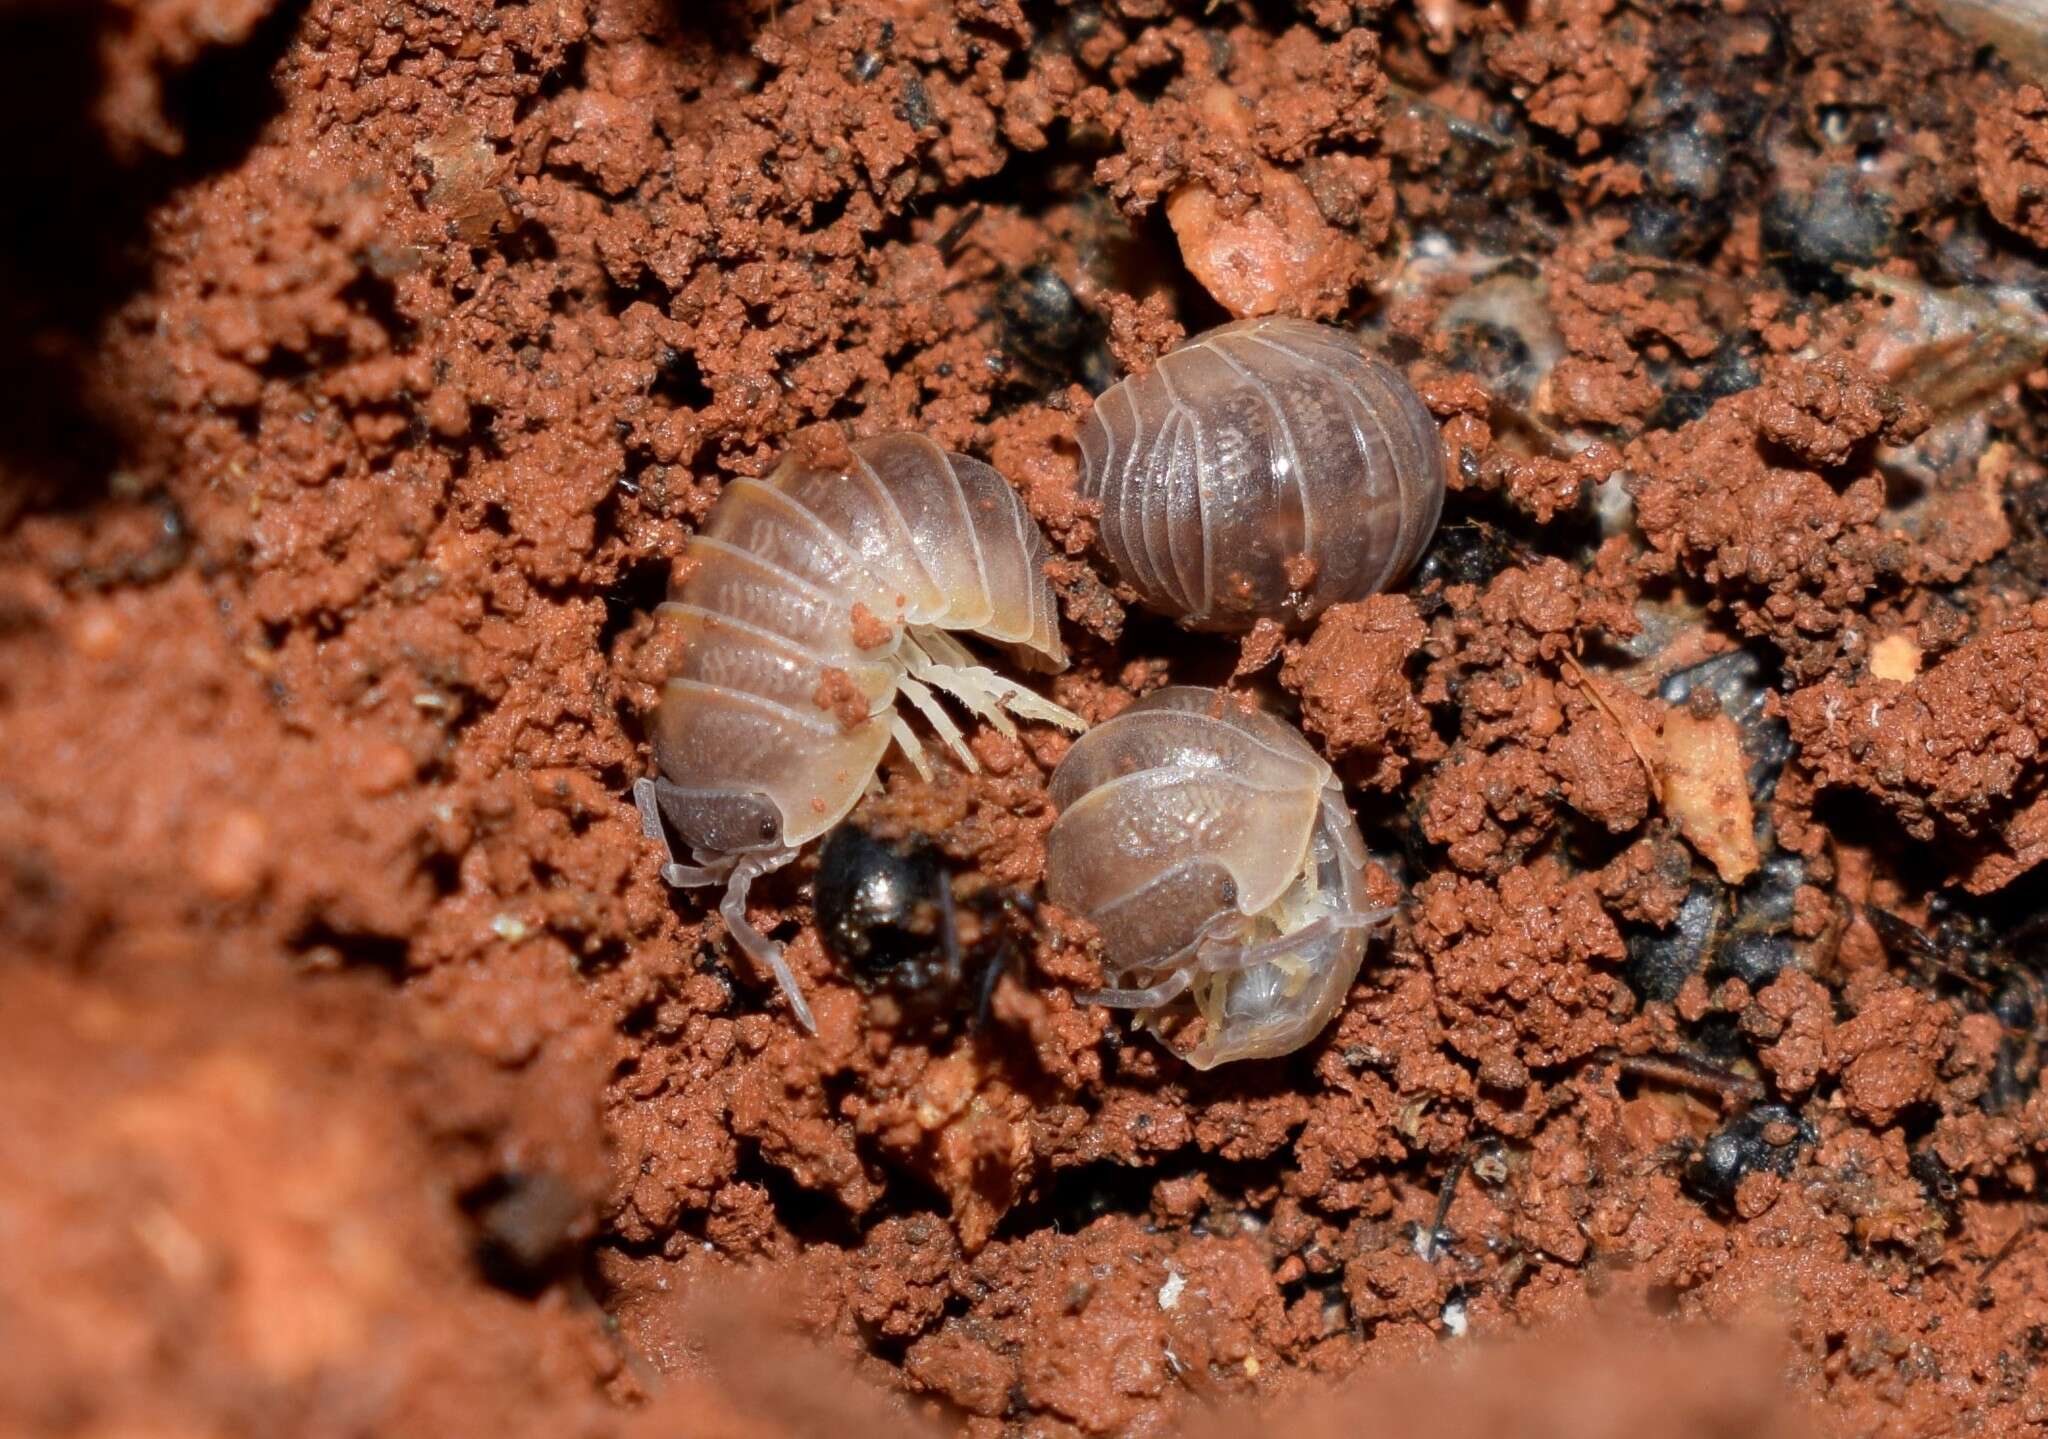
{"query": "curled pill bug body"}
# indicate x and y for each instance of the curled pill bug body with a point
(1213, 850)
(811, 603)
(1266, 469)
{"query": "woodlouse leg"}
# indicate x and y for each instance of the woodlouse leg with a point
(1151, 997)
(1021, 702)
(1028, 704)
(935, 715)
(1223, 959)
(942, 661)
(765, 951)
(1218, 959)
(940, 648)
(965, 686)
(912, 747)
(936, 659)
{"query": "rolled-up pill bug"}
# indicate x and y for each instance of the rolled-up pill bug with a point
(1266, 469)
(810, 603)
(1214, 852)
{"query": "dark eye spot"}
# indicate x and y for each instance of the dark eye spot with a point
(768, 827)
(1226, 892)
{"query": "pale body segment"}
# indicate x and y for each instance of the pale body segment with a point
(1213, 850)
(1265, 469)
(810, 604)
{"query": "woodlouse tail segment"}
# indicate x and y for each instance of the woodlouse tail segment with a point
(738, 873)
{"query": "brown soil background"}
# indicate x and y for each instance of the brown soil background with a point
(368, 362)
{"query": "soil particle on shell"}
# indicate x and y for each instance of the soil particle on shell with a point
(444, 327)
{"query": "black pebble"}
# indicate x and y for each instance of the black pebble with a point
(880, 906)
(1042, 309)
(1660, 961)
(1755, 959)
(525, 1227)
(1469, 553)
(1732, 370)
(1739, 1148)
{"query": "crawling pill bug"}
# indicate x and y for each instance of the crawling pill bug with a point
(812, 602)
(1214, 851)
(1267, 469)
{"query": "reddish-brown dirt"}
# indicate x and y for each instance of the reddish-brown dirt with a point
(370, 363)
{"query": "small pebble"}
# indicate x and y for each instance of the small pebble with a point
(1895, 657)
(447, 413)
(99, 634)
(383, 768)
(1281, 254)
(229, 861)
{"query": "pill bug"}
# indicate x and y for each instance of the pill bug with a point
(1268, 468)
(809, 604)
(1214, 851)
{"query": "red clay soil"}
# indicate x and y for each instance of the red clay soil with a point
(370, 362)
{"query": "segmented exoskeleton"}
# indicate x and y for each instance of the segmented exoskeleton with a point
(810, 602)
(1214, 851)
(1266, 469)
